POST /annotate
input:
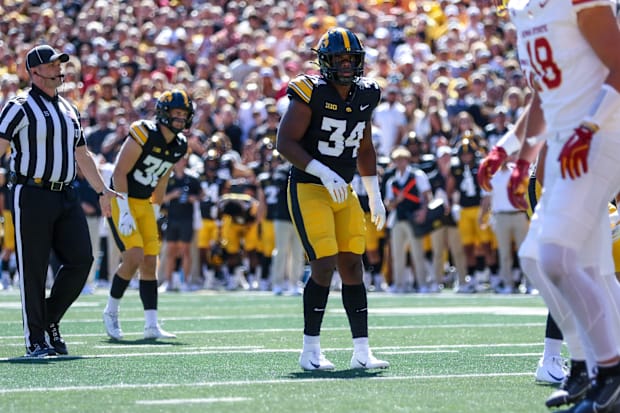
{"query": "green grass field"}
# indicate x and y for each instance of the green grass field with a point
(237, 352)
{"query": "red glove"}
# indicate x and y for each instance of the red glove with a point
(574, 156)
(518, 184)
(489, 166)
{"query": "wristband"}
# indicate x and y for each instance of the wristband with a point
(605, 104)
(509, 142)
(316, 168)
(371, 184)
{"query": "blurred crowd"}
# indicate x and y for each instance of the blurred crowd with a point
(448, 72)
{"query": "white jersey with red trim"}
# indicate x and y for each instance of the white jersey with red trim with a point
(556, 58)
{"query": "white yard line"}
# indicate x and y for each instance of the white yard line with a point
(296, 330)
(515, 310)
(193, 401)
(199, 351)
(322, 379)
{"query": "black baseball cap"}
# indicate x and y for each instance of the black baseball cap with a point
(44, 54)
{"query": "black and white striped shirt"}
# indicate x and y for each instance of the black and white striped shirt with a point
(44, 132)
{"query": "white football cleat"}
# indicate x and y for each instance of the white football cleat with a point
(112, 326)
(551, 370)
(156, 332)
(365, 360)
(314, 360)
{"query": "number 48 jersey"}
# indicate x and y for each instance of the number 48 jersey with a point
(157, 157)
(557, 60)
(337, 126)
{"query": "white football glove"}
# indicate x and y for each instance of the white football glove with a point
(335, 185)
(377, 209)
(126, 223)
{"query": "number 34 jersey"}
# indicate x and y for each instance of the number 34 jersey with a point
(557, 60)
(337, 126)
(157, 157)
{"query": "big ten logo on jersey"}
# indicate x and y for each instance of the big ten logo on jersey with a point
(331, 106)
(153, 169)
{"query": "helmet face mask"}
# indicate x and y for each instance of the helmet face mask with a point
(170, 100)
(341, 56)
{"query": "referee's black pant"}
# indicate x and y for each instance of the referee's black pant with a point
(48, 220)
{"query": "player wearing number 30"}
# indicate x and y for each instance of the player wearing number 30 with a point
(326, 135)
(141, 173)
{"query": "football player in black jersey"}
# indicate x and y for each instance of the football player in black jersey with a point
(326, 135)
(141, 173)
(209, 237)
(464, 194)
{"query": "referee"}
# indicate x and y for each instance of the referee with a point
(47, 145)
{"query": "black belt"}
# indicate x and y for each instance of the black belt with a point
(40, 183)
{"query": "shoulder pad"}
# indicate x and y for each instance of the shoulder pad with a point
(228, 158)
(302, 86)
(263, 176)
(367, 83)
(192, 173)
(139, 130)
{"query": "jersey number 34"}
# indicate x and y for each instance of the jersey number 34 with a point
(337, 141)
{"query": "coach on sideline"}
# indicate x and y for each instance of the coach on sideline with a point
(47, 144)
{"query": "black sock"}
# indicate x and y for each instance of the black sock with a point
(471, 270)
(265, 267)
(148, 294)
(315, 301)
(608, 371)
(356, 305)
(578, 368)
(552, 330)
(494, 268)
(119, 285)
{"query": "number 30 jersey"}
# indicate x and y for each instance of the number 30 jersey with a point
(337, 126)
(156, 158)
(556, 59)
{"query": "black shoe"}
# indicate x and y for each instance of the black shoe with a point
(601, 398)
(40, 350)
(573, 388)
(55, 339)
(607, 392)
